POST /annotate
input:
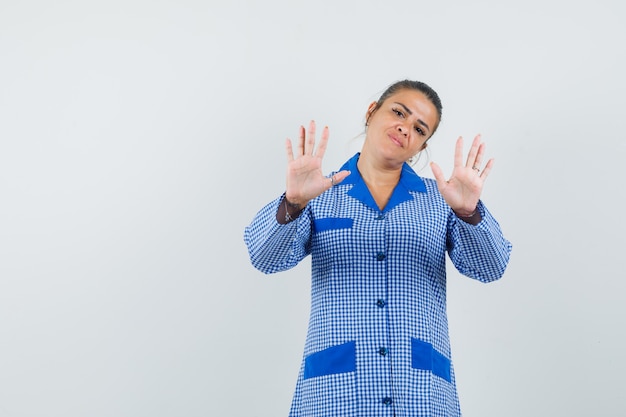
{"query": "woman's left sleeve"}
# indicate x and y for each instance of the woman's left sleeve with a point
(478, 251)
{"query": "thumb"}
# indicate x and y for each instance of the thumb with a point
(340, 176)
(438, 173)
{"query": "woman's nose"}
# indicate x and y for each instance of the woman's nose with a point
(403, 130)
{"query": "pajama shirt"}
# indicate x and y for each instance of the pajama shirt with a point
(377, 341)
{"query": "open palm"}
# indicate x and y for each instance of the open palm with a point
(462, 190)
(305, 179)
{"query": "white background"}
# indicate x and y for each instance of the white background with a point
(138, 139)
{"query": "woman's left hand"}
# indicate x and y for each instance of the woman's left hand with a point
(462, 191)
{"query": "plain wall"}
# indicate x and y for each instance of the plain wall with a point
(139, 138)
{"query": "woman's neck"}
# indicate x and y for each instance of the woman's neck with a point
(377, 174)
(380, 180)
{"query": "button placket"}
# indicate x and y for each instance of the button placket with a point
(381, 303)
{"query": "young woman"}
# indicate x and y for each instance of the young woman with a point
(378, 234)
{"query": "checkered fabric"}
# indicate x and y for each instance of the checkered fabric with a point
(378, 343)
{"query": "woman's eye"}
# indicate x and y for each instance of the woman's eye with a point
(419, 130)
(397, 112)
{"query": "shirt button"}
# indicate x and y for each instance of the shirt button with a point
(387, 401)
(380, 217)
(380, 256)
(383, 351)
(381, 303)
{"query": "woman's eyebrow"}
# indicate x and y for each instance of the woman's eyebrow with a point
(406, 109)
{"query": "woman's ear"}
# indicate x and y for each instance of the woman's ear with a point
(370, 110)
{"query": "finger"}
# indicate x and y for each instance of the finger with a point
(473, 152)
(289, 150)
(301, 142)
(487, 170)
(479, 156)
(309, 144)
(339, 176)
(321, 147)
(438, 173)
(458, 152)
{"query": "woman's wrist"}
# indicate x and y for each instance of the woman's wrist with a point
(472, 218)
(294, 202)
(459, 213)
(288, 211)
(292, 205)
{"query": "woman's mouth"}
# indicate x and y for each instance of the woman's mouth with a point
(396, 140)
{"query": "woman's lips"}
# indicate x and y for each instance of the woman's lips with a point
(395, 140)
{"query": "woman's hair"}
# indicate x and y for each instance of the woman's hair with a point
(411, 85)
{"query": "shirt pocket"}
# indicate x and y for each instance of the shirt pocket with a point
(332, 223)
(333, 360)
(425, 357)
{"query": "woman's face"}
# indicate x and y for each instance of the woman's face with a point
(399, 128)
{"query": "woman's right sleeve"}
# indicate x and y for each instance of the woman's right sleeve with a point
(275, 247)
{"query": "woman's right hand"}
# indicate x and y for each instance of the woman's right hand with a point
(305, 179)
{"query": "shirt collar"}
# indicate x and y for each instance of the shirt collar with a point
(409, 181)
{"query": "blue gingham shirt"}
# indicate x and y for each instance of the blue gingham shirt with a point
(378, 342)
